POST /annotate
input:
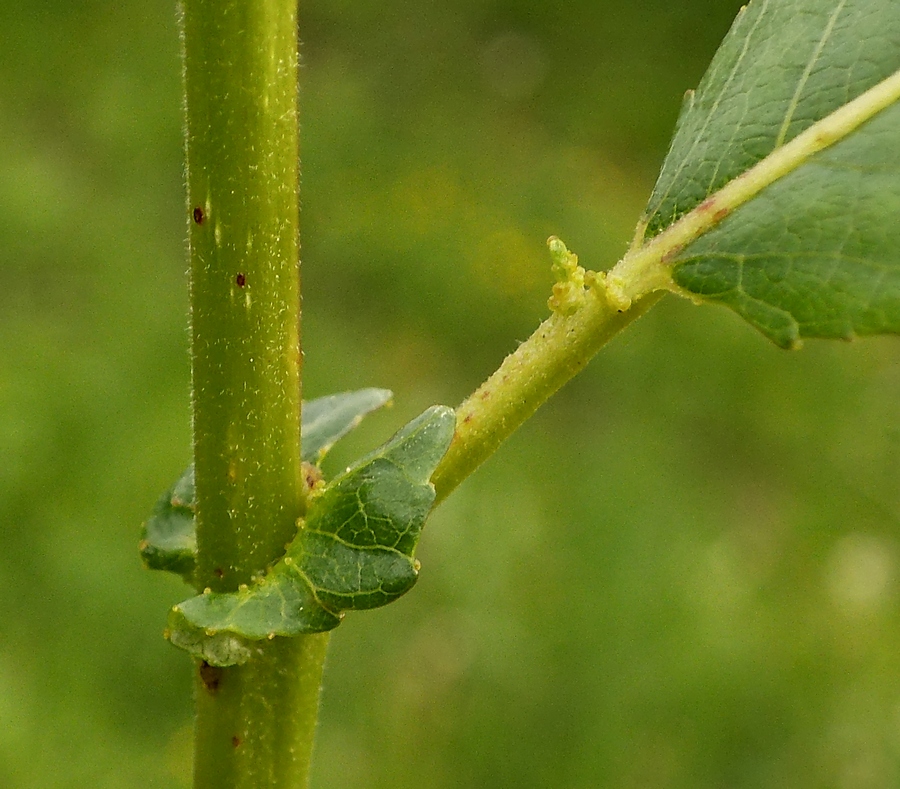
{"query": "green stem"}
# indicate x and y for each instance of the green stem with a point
(255, 723)
(556, 352)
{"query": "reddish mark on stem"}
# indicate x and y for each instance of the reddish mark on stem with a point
(709, 204)
(240, 280)
(210, 676)
(199, 215)
(235, 741)
(312, 475)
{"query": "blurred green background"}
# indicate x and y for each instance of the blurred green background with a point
(682, 573)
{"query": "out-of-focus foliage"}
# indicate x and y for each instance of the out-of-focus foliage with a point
(682, 573)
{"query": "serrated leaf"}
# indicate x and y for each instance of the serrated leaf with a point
(169, 537)
(328, 419)
(355, 551)
(816, 253)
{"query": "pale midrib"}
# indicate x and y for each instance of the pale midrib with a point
(647, 269)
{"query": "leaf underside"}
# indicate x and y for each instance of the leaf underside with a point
(169, 537)
(816, 253)
(328, 419)
(354, 551)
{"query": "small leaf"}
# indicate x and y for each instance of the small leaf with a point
(169, 537)
(355, 551)
(816, 253)
(328, 419)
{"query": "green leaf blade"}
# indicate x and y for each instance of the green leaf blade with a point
(351, 578)
(815, 250)
(169, 537)
(827, 267)
(279, 604)
(358, 544)
(223, 629)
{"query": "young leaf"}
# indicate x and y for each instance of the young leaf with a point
(792, 140)
(328, 419)
(355, 551)
(169, 538)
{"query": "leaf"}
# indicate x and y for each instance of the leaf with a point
(816, 253)
(328, 419)
(169, 537)
(354, 551)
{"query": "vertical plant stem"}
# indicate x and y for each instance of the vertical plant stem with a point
(254, 723)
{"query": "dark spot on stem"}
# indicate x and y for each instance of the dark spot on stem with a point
(210, 676)
(240, 280)
(198, 215)
(219, 572)
(235, 741)
(312, 476)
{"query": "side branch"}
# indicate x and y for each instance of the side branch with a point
(559, 349)
(584, 320)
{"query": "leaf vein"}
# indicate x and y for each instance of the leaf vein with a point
(804, 78)
(718, 100)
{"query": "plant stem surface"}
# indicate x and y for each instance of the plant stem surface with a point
(255, 723)
(560, 348)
